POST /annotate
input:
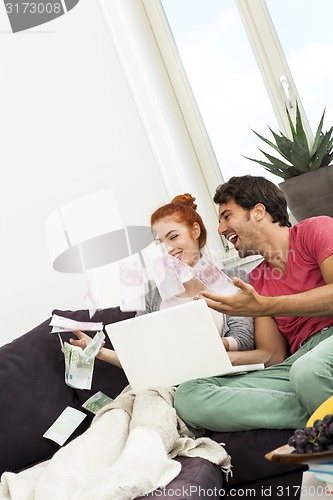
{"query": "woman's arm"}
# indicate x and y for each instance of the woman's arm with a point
(152, 299)
(270, 345)
(241, 329)
(109, 355)
(105, 354)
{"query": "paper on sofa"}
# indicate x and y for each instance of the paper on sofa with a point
(65, 425)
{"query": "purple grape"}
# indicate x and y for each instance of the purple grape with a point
(328, 419)
(319, 425)
(314, 439)
(323, 440)
(292, 441)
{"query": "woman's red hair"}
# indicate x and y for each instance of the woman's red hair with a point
(183, 210)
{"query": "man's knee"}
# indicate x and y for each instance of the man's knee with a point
(184, 400)
(312, 381)
(188, 401)
(306, 373)
(299, 373)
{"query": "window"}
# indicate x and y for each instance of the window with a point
(226, 80)
(304, 30)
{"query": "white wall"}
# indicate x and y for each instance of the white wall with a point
(70, 125)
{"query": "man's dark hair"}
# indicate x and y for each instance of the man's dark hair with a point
(248, 190)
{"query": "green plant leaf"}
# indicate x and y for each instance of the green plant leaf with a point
(318, 135)
(291, 125)
(322, 155)
(280, 172)
(270, 143)
(300, 137)
(328, 159)
(284, 175)
(275, 161)
(284, 145)
(302, 159)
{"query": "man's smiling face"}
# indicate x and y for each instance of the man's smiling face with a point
(239, 226)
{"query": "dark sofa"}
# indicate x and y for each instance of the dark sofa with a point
(33, 394)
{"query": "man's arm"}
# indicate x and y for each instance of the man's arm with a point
(317, 302)
(270, 345)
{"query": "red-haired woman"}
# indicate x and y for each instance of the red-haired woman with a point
(179, 226)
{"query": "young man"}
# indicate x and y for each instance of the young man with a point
(293, 289)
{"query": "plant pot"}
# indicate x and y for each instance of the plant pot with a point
(310, 194)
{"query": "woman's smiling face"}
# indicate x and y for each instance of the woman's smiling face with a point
(180, 241)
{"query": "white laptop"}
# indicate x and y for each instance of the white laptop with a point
(167, 347)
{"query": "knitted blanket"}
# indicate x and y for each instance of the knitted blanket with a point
(127, 451)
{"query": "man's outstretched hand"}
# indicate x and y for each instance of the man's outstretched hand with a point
(247, 302)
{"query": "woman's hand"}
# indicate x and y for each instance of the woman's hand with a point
(104, 354)
(83, 341)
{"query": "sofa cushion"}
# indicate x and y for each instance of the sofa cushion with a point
(33, 392)
(32, 396)
(107, 378)
(198, 478)
(247, 450)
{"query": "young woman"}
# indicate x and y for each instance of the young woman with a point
(179, 226)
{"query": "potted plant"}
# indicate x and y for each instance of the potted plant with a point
(306, 170)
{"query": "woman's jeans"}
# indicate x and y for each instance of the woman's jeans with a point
(281, 396)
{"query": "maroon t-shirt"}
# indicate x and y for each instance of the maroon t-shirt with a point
(311, 241)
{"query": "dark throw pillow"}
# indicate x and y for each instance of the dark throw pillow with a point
(32, 395)
(33, 392)
(107, 378)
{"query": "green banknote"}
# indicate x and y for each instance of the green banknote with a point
(78, 369)
(65, 425)
(96, 402)
(94, 346)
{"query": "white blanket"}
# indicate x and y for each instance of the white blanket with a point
(127, 451)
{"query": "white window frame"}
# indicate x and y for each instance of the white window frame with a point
(162, 92)
(170, 117)
(272, 63)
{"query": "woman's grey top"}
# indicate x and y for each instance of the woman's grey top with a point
(240, 328)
